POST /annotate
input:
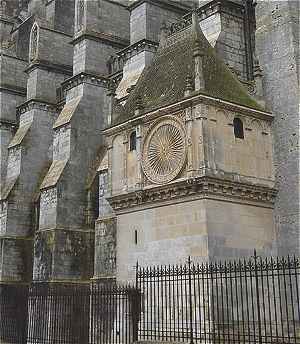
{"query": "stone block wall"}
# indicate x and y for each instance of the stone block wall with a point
(54, 47)
(107, 16)
(277, 44)
(61, 14)
(147, 18)
(165, 235)
(42, 84)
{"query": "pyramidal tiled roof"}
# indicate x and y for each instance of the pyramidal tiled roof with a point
(164, 81)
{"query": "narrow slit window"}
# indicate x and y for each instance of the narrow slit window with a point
(135, 237)
(238, 128)
(132, 141)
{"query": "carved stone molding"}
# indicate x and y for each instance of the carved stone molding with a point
(87, 78)
(36, 104)
(8, 125)
(112, 40)
(197, 188)
(192, 100)
(164, 150)
(134, 49)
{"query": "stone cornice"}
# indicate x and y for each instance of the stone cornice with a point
(6, 281)
(103, 37)
(50, 67)
(6, 54)
(87, 78)
(229, 7)
(8, 124)
(207, 10)
(116, 77)
(117, 3)
(177, 7)
(13, 89)
(55, 31)
(196, 188)
(36, 104)
(190, 101)
(6, 20)
(134, 49)
(15, 237)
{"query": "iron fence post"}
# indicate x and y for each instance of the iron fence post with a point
(190, 301)
(136, 305)
(257, 297)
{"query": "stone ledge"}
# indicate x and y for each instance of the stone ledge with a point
(13, 89)
(198, 188)
(8, 124)
(37, 104)
(174, 6)
(49, 66)
(85, 77)
(137, 47)
(103, 37)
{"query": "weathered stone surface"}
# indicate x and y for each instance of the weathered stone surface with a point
(91, 204)
(277, 42)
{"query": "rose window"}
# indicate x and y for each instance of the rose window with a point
(164, 151)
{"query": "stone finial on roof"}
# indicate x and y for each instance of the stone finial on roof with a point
(139, 106)
(258, 75)
(188, 85)
(163, 34)
(112, 96)
(198, 53)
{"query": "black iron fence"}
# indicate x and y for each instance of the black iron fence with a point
(244, 301)
(68, 314)
(58, 313)
(13, 313)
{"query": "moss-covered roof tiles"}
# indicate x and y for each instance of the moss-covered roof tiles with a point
(164, 80)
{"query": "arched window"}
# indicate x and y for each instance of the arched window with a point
(132, 141)
(34, 37)
(238, 128)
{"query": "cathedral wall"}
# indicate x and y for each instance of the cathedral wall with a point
(12, 75)
(207, 229)
(38, 85)
(106, 16)
(15, 263)
(231, 43)
(118, 163)
(277, 44)
(37, 7)
(8, 104)
(6, 136)
(161, 235)
(236, 229)
(91, 56)
(54, 47)
(251, 156)
(146, 20)
(61, 14)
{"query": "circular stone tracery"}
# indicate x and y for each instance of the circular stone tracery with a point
(164, 151)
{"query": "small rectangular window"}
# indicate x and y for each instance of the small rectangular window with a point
(135, 237)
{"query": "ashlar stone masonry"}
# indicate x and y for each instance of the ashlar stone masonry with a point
(145, 130)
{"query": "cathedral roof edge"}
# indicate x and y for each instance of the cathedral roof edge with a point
(191, 101)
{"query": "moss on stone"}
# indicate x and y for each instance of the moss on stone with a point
(163, 82)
